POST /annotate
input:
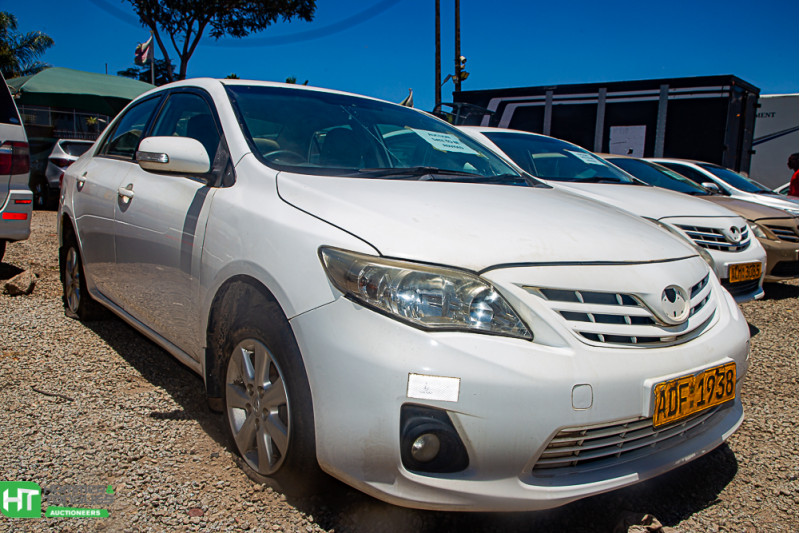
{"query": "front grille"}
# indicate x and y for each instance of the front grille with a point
(714, 239)
(740, 287)
(598, 446)
(784, 233)
(623, 319)
(785, 269)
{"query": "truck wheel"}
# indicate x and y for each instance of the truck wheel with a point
(268, 401)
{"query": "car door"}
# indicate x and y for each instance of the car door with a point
(95, 195)
(160, 224)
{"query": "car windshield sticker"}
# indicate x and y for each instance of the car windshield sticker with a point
(586, 158)
(444, 142)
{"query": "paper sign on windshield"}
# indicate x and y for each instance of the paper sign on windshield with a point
(587, 158)
(444, 142)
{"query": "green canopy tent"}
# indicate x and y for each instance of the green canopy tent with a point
(66, 88)
(62, 103)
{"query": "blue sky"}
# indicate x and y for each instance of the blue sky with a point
(389, 48)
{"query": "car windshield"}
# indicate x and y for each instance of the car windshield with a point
(658, 176)
(553, 159)
(736, 180)
(75, 148)
(322, 133)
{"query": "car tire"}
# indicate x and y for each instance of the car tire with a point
(41, 192)
(267, 399)
(78, 303)
(2, 249)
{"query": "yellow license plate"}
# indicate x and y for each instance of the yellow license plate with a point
(681, 397)
(744, 272)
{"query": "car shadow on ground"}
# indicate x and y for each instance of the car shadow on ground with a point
(8, 271)
(779, 291)
(671, 498)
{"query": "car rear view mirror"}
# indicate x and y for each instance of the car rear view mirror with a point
(711, 186)
(181, 155)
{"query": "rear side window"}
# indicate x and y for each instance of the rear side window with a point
(8, 111)
(122, 142)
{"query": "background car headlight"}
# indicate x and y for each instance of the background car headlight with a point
(429, 297)
(758, 230)
(702, 252)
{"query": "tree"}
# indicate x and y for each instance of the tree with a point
(184, 22)
(19, 52)
(162, 68)
(293, 79)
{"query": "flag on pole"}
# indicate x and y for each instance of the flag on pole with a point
(408, 101)
(144, 52)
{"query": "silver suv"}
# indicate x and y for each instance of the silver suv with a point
(16, 199)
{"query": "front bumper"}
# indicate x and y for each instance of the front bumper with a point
(782, 260)
(15, 215)
(513, 397)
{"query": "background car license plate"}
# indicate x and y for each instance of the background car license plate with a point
(678, 398)
(744, 271)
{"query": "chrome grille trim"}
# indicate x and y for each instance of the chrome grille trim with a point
(573, 448)
(623, 319)
(714, 239)
(784, 233)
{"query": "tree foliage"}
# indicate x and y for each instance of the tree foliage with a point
(184, 22)
(20, 52)
(162, 68)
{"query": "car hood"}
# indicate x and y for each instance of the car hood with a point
(647, 201)
(477, 226)
(747, 209)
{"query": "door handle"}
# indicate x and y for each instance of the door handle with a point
(126, 193)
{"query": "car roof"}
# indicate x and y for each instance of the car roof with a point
(209, 83)
(487, 129)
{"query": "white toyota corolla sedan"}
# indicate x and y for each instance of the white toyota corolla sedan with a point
(722, 236)
(368, 292)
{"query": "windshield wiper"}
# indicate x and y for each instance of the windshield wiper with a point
(412, 172)
(601, 179)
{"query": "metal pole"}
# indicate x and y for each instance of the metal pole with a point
(438, 81)
(152, 60)
(457, 77)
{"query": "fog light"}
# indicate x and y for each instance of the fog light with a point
(425, 448)
(429, 443)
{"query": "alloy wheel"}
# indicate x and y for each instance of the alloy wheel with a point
(72, 280)
(258, 406)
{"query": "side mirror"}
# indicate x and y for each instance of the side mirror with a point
(711, 186)
(180, 155)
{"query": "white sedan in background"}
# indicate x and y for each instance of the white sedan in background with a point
(368, 292)
(723, 236)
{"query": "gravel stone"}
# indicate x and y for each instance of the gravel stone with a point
(99, 404)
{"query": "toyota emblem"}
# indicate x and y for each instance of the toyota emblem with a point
(733, 235)
(674, 304)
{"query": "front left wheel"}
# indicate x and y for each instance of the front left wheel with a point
(267, 398)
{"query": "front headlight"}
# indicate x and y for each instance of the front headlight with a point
(429, 297)
(702, 252)
(757, 230)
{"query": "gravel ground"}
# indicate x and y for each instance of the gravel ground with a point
(99, 404)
